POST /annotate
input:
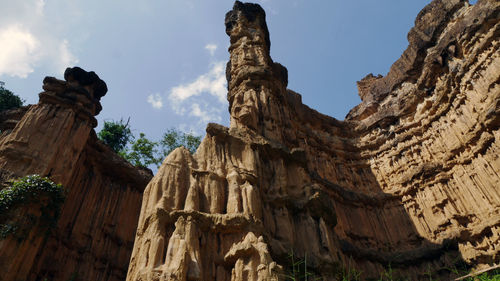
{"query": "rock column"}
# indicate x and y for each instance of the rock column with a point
(50, 137)
(48, 141)
(257, 85)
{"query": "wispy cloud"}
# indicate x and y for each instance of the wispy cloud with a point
(211, 48)
(200, 100)
(156, 101)
(193, 98)
(39, 6)
(208, 114)
(66, 58)
(213, 83)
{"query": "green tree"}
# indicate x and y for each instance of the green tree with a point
(143, 152)
(174, 138)
(116, 134)
(9, 100)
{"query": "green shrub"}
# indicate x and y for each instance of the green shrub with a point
(28, 191)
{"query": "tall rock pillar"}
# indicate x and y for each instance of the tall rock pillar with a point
(48, 141)
(257, 85)
(50, 137)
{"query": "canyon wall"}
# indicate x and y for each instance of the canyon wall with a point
(94, 235)
(409, 181)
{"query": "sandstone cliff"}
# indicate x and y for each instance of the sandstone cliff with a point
(409, 180)
(94, 236)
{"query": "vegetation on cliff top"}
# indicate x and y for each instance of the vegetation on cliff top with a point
(9, 100)
(116, 134)
(143, 152)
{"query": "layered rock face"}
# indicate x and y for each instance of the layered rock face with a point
(409, 180)
(430, 129)
(94, 235)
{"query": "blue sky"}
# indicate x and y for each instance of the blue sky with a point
(164, 61)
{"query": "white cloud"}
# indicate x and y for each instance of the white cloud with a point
(213, 82)
(204, 116)
(30, 40)
(194, 99)
(19, 52)
(156, 101)
(211, 48)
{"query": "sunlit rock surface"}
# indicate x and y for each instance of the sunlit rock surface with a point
(409, 180)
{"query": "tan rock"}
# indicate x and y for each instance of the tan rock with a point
(410, 179)
(252, 260)
(55, 138)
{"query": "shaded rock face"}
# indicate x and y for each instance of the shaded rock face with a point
(410, 179)
(94, 236)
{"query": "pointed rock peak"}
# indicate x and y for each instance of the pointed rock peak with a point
(256, 84)
(179, 155)
(247, 15)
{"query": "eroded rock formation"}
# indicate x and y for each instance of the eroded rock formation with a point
(410, 179)
(94, 235)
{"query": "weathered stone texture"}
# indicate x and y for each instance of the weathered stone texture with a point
(433, 140)
(410, 179)
(94, 236)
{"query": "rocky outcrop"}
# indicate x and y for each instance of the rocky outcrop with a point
(94, 235)
(409, 180)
